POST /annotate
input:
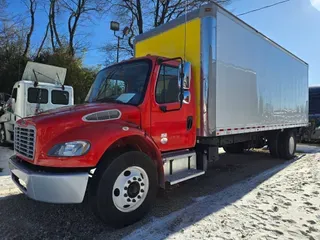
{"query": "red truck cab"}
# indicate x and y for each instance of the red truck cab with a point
(112, 145)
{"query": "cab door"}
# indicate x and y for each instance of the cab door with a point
(172, 127)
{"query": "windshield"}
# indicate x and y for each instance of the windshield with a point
(314, 101)
(124, 83)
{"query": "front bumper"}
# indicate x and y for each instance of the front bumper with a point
(49, 187)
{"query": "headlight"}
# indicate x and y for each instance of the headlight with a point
(70, 149)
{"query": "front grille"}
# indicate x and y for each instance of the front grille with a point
(24, 141)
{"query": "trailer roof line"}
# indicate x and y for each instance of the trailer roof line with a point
(201, 12)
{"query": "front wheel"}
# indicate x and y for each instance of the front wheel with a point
(126, 189)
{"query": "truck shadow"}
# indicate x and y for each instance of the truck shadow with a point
(25, 218)
(5, 153)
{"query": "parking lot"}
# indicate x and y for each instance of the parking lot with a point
(25, 218)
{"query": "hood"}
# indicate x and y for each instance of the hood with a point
(44, 73)
(74, 115)
(54, 123)
(80, 122)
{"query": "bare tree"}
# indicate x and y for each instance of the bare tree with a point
(80, 11)
(32, 6)
(43, 40)
(142, 15)
(55, 38)
(12, 28)
(3, 6)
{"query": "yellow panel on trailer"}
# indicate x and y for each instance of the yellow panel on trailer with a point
(171, 43)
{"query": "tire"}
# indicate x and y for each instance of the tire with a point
(234, 148)
(3, 139)
(287, 144)
(273, 145)
(123, 191)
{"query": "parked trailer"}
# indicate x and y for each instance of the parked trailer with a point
(312, 132)
(202, 81)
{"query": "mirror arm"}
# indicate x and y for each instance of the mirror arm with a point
(160, 61)
(163, 108)
(181, 88)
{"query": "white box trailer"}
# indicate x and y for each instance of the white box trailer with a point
(245, 82)
(255, 84)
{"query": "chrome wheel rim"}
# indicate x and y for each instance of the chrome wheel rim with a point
(291, 145)
(130, 189)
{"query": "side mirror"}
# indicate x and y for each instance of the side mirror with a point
(10, 105)
(186, 97)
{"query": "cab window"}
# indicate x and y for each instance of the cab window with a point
(167, 89)
(60, 97)
(38, 95)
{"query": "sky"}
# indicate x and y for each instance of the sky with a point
(295, 25)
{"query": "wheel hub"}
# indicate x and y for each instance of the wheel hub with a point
(133, 189)
(291, 145)
(130, 189)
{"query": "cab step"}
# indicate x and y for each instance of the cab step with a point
(184, 176)
(180, 166)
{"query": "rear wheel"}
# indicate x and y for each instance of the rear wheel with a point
(125, 189)
(287, 144)
(2, 135)
(234, 148)
(273, 144)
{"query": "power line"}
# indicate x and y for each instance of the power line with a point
(258, 9)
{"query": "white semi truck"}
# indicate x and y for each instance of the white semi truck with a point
(41, 88)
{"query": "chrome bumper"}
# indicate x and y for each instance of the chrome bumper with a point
(49, 187)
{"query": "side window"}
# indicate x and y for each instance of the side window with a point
(14, 94)
(167, 89)
(60, 97)
(37, 95)
(314, 101)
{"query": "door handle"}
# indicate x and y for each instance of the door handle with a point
(189, 122)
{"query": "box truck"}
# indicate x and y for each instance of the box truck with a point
(200, 82)
(41, 88)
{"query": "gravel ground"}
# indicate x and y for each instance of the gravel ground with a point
(5, 154)
(22, 218)
(7, 187)
(281, 203)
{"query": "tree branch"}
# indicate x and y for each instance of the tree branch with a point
(53, 22)
(43, 40)
(32, 8)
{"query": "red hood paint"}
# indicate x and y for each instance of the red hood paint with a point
(66, 124)
(76, 112)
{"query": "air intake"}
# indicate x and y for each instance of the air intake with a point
(102, 116)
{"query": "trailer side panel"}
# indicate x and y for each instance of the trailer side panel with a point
(258, 84)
